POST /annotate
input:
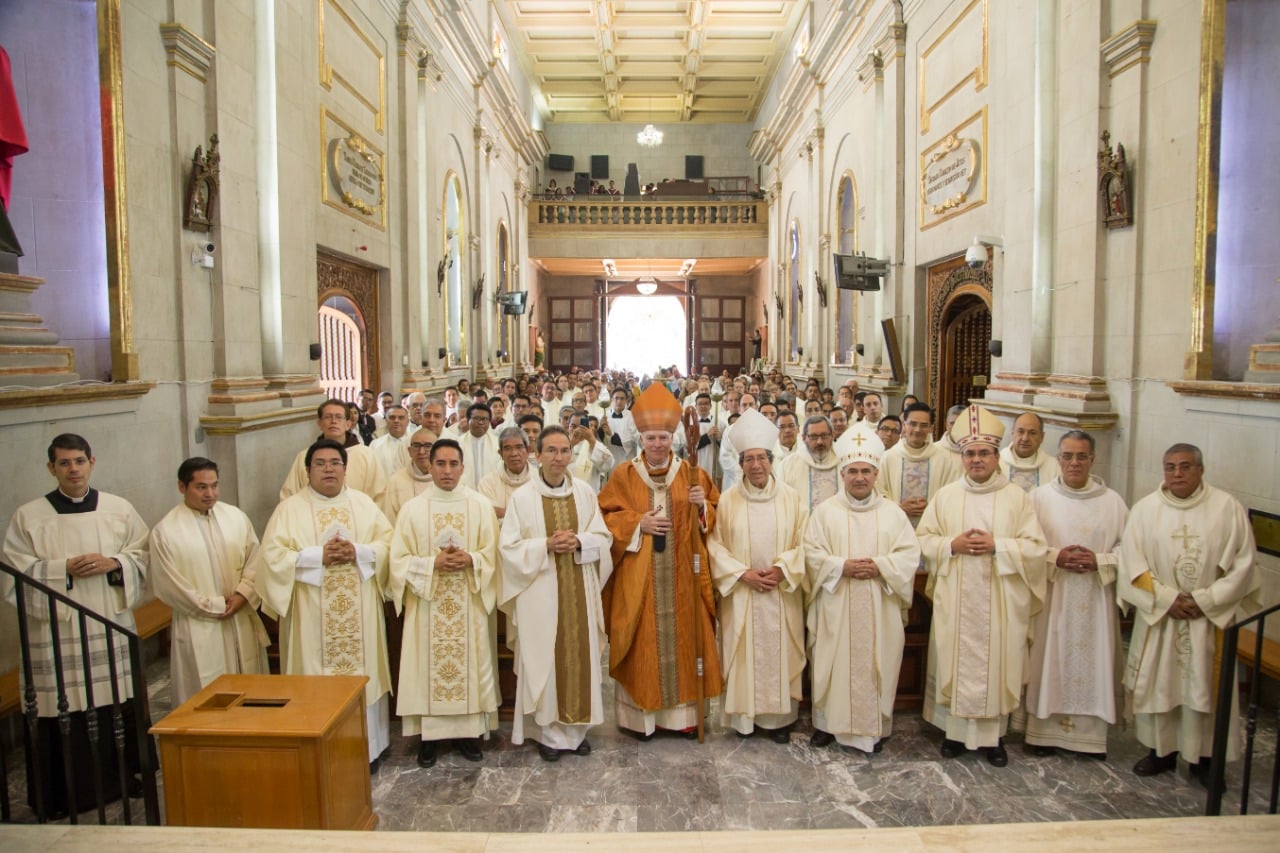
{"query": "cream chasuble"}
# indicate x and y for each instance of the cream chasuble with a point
(1071, 676)
(814, 481)
(198, 560)
(392, 453)
(1202, 545)
(404, 485)
(364, 474)
(856, 626)
(498, 486)
(448, 686)
(906, 473)
(982, 607)
(761, 633)
(1028, 474)
(38, 543)
(554, 610)
(479, 457)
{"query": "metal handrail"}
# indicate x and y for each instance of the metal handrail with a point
(1222, 718)
(23, 584)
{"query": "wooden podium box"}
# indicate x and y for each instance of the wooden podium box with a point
(269, 751)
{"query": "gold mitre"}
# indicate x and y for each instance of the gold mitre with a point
(752, 431)
(977, 426)
(656, 408)
(858, 445)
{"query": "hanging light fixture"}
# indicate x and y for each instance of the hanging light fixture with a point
(647, 287)
(650, 137)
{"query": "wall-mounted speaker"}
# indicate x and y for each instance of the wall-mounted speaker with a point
(996, 348)
(315, 352)
(560, 162)
(693, 167)
(599, 167)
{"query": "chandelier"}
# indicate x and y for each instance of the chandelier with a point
(650, 137)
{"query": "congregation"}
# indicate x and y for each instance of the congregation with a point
(709, 537)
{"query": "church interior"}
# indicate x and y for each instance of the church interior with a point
(230, 211)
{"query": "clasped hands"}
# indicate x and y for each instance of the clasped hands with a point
(762, 580)
(451, 558)
(90, 564)
(974, 543)
(338, 551)
(1185, 607)
(562, 542)
(1077, 558)
(861, 568)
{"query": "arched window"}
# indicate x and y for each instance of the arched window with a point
(793, 285)
(847, 244)
(455, 244)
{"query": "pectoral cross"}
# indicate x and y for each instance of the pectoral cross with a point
(1185, 535)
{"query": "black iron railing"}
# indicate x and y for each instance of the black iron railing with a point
(1227, 685)
(33, 597)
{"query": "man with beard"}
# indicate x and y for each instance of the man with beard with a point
(812, 469)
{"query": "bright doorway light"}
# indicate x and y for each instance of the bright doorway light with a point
(646, 333)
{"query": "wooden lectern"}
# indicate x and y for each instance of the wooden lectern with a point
(269, 751)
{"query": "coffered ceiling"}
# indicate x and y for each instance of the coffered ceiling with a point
(674, 60)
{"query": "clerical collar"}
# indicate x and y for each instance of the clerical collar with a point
(916, 455)
(762, 494)
(869, 502)
(994, 484)
(351, 440)
(1094, 487)
(64, 504)
(564, 482)
(1032, 461)
(319, 496)
(1187, 502)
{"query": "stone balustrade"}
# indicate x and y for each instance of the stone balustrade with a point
(564, 217)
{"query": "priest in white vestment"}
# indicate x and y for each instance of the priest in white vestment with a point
(479, 445)
(363, 473)
(757, 564)
(788, 431)
(391, 449)
(1024, 462)
(412, 480)
(619, 426)
(321, 571)
(201, 566)
(984, 550)
(90, 546)
(1071, 678)
(862, 557)
(915, 468)
(444, 562)
(555, 559)
(1188, 568)
(813, 470)
(592, 461)
(498, 486)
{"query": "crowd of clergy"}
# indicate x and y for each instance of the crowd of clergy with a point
(711, 537)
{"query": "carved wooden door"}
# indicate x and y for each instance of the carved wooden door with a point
(352, 289)
(966, 356)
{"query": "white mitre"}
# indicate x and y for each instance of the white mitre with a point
(753, 431)
(859, 446)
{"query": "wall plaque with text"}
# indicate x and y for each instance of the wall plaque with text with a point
(354, 173)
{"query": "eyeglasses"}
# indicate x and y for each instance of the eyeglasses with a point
(327, 464)
(416, 447)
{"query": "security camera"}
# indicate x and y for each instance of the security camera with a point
(202, 255)
(976, 255)
(210, 248)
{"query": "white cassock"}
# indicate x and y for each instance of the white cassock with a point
(479, 457)
(364, 474)
(591, 464)
(498, 486)
(1202, 545)
(761, 633)
(38, 543)
(1071, 675)
(392, 453)
(623, 439)
(982, 607)
(448, 680)
(730, 468)
(856, 626)
(331, 620)
(814, 481)
(554, 611)
(198, 560)
(1029, 473)
(403, 486)
(906, 473)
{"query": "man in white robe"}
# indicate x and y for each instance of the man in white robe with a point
(788, 434)
(708, 434)
(479, 444)
(813, 470)
(498, 486)
(1187, 566)
(592, 461)
(862, 557)
(444, 555)
(413, 479)
(321, 571)
(757, 564)
(92, 547)
(915, 468)
(363, 473)
(201, 567)
(555, 559)
(391, 449)
(1025, 463)
(1071, 677)
(984, 550)
(619, 426)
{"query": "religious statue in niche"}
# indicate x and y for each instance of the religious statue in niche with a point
(1113, 184)
(476, 292)
(202, 188)
(821, 287)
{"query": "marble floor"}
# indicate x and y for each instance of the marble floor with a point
(732, 783)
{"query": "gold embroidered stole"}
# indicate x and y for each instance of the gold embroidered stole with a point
(573, 643)
(341, 608)
(450, 616)
(664, 601)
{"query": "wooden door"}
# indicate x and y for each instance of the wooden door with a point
(352, 289)
(719, 335)
(574, 338)
(341, 355)
(966, 356)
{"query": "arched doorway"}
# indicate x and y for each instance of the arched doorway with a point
(347, 318)
(646, 333)
(959, 300)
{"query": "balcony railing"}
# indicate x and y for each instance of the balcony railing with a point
(612, 214)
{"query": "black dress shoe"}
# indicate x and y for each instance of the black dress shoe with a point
(427, 753)
(879, 745)
(782, 735)
(997, 756)
(583, 748)
(469, 747)
(547, 753)
(1043, 751)
(819, 739)
(133, 788)
(952, 749)
(1200, 770)
(1153, 765)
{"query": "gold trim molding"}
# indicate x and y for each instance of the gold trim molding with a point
(328, 75)
(975, 192)
(1129, 47)
(34, 397)
(186, 51)
(237, 424)
(978, 73)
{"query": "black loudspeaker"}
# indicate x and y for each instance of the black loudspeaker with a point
(693, 167)
(996, 348)
(560, 162)
(581, 183)
(600, 167)
(314, 351)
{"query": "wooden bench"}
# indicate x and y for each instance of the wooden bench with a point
(1269, 666)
